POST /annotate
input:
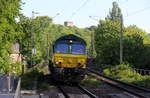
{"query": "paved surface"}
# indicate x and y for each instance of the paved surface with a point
(60, 95)
(23, 96)
(30, 96)
(7, 83)
(6, 95)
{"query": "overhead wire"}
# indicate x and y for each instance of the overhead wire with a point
(59, 13)
(77, 10)
(138, 11)
(123, 2)
(93, 17)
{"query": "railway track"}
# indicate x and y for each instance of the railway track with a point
(66, 95)
(91, 95)
(82, 89)
(132, 89)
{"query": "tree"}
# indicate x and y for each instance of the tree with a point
(136, 42)
(36, 35)
(9, 32)
(107, 42)
(115, 13)
(91, 28)
(136, 45)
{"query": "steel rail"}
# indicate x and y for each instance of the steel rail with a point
(137, 87)
(114, 82)
(87, 92)
(63, 91)
(60, 88)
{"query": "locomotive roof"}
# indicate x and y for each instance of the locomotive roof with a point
(71, 37)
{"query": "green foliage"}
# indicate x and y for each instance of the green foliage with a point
(136, 45)
(15, 68)
(90, 81)
(127, 74)
(135, 31)
(9, 33)
(27, 80)
(36, 35)
(5, 65)
(136, 52)
(149, 35)
(44, 86)
(107, 42)
(92, 28)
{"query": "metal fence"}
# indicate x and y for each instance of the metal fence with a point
(8, 83)
(142, 71)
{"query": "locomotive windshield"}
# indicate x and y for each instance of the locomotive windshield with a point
(62, 48)
(78, 49)
(70, 48)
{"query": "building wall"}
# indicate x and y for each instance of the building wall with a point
(68, 23)
(16, 57)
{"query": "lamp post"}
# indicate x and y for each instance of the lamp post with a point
(33, 50)
(121, 39)
(47, 36)
(121, 36)
(33, 14)
(56, 15)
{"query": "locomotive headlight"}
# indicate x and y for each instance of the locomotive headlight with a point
(81, 62)
(57, 62)
(70, 41)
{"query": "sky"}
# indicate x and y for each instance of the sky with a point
(134, 11)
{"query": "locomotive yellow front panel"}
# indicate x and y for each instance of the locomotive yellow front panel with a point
(69, 60)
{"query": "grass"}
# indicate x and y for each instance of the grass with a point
(29, 78)
(126, 74)
(90, 81)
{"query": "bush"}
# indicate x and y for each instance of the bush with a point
(29, 78)
(136, 45)
(127, 74)
(90, 81)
